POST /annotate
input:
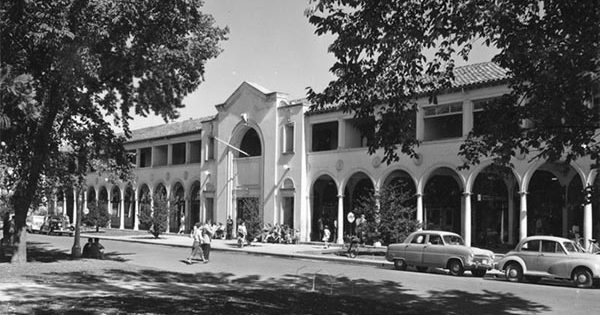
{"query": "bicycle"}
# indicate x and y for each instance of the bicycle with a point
(353, 247)
(592, 248)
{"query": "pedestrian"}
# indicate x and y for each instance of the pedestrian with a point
(320, 226)
(326, 236)
(229, 228)
(86, 248)
(182, 224)
(206, 236)
(242, 233)
(196, 249)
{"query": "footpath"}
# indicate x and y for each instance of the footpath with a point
(368, 255)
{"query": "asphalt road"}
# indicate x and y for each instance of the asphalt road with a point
(465, 294)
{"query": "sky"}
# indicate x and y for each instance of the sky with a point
(270, 43)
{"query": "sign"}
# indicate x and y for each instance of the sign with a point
(350, 217)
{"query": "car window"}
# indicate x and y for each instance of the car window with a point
(453, 240)
(435, 239)
(531, 246)
(418, 239)
(571, 247)
(550, 247)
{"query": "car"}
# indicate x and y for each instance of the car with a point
(440, 249)
(34, 223)
(540, 256)
(58, 224)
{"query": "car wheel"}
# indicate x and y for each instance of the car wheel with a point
(583, 278)
(421, 269)
(400, 264)
(514, 272)
(455, 267)
(533, 279)
(478, 272)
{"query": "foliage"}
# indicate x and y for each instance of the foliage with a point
(251, 214)
(155, 218)
(394, 219)
(97, 216)
(68, 66)
(551, 50)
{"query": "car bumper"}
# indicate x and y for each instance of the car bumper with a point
(486, 264)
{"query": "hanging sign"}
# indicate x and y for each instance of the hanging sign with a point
(350, 217)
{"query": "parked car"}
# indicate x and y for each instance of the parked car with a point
(538, 257)
(58, 224)
(34, 223)
(440, 249)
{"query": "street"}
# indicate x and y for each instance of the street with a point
(435, 291)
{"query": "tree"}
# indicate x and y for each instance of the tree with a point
(97, 216)
(391, 217)
(67, 65)
(155, 217)
(250, 212)
(550, 48)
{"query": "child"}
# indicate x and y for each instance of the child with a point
(326, 235)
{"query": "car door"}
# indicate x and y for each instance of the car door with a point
(529, 253)
(551, 252)
(413, 252)
(434, 254)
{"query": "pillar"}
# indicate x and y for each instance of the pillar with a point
(420, 209)
(340, 219)
(122, 209)
(136, 206)
(467, 218)
(587, 223)
(75, 196)
(523, 215)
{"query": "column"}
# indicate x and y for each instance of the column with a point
(85, 201)
(420, 209)
(75, 196)
(341, 134)
(467, 218)
(122, 209)
(340, 219)
(587, 223)
(523, 216)
(136, 206)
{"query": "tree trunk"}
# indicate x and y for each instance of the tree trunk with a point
(19, 246)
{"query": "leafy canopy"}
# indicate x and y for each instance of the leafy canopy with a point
(551, 50)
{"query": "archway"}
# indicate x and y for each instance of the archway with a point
(177, 217)
(130, 211)
(144, 199)
(103, 199)
(442, 201)
(324, 206)
(495, 211)
(194, 215)
(115, 207)
(250, 144)
(359, 188)
(402, 183)
(91, 196)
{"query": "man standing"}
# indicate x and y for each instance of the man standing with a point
(207, 233)
(229, 228)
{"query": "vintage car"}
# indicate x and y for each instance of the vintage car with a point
(536, 257)
(440, 249)
(57, 224)
(34, 223)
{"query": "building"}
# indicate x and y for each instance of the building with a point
(304, 165)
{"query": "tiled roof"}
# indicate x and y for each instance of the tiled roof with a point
(167, 130)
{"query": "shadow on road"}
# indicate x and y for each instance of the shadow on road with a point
(162, 292)
(40, 252)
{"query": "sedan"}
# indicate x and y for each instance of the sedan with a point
(537, 257)
(440, 249)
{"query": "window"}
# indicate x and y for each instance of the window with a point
(178, 153)
(453, 240)
(442, 121)
(435, 239)
(210, 149)
(418, 239)
(531, 246)
(325, 136)
(145, 157)
(250, 144)
(195, 151)
(160, 155)
(479, 106)
(288, 138)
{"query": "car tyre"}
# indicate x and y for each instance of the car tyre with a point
(582, 278)
(533, 279)
(478, 272)
(455, 267)
(400, 264)
(421, 269)
(514, 272)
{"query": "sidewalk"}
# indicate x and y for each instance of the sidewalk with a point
(316, 251)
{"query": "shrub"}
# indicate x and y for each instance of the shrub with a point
(250, 213)
(97, 216)
(155, 218)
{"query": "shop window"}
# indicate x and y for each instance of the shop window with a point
(325, 136)
(442, 121)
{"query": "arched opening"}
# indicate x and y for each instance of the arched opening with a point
(130, 211)
(442, 201)
(177, 217)
(324, 207)
(250, 144)
(195, 204)
(554, 203)
(144, 200)
(91, 196)
(115, 207)
(103, 199)
(494, 214)
(404, 185)
(359, 188)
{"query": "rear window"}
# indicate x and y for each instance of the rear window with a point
(453, 240)
(531, 246)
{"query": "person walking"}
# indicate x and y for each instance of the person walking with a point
(196, 235)
(326, 236)
(242, 233)
(182, 224)
(206, 237)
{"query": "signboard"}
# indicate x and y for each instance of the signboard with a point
(350, 217)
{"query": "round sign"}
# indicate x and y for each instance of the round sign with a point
(350, 217)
